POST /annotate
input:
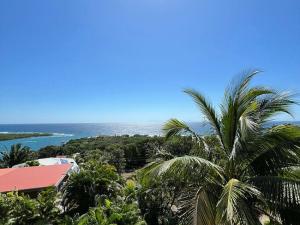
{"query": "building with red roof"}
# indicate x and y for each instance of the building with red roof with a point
(33, 179)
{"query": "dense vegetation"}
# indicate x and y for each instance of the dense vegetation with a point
(243, 173)
(98, 191)
(125, 152)
(110, 203)
(12, 136)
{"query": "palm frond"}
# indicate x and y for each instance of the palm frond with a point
(145, 175)
(207, 110)
(17, 154)
(282, 195)
(199, 207)
(237, 100)
(234, 206)
(252, 94)
(274, 104)
(281, 192)
(174, 127)
(276, 149)
(239, 86)
(247, 110)
(182, 167)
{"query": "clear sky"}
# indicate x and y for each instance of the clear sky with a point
(128, 60)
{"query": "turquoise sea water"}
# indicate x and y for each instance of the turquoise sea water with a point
(65, 132)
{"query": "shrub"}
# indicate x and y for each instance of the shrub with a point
(95, 180)
(20, 209)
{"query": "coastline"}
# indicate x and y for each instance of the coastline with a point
(62, 133)
(7, 136)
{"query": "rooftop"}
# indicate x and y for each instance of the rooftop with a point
(32, 178)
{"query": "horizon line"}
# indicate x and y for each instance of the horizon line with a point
(145, 122)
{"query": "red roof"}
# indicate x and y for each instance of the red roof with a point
(36, 177)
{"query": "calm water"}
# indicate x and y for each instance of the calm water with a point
(65, 132)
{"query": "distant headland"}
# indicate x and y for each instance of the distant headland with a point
(12, 136)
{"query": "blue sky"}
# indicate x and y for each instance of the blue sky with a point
(128, 60)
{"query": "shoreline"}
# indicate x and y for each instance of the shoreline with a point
(7, 136)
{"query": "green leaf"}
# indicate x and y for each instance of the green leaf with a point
(83, 220)
(199, 207)
(208, 111)
(234, 207)
(183, 167)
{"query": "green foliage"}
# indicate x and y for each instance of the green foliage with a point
(32, 163)
(113, 154)
(23, 210)
(20, 209)
(122, 151)
(47, 207)
(245, 170)
(122, 210)
(12, 136)
(17, 154)
(119, 210)
(130, 191)
(157, 201)
(95, 180)
(118, 213)
(50, 151)
(98, 179)
(125, 152)
(116, 157)
(234, 204)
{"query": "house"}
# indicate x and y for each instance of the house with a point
(54, 161)
(33, 179)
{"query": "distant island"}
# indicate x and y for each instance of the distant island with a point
(12, 136)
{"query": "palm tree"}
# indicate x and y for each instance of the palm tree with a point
(17, 154)
(249, 170)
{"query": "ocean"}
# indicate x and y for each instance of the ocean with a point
(62, 133)
(65, 132)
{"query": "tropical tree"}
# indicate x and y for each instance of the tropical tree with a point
(245, 169)
(122, 210)
(17, 154)
(95, 180)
